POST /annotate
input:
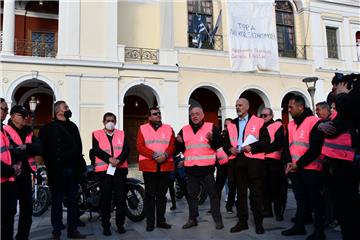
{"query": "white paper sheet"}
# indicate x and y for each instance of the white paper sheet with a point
(249, 140)
(111, 170)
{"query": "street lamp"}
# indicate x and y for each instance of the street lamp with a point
(33, 102)
(310, 84)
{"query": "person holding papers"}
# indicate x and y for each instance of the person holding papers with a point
(156, 147)
(247, 140)
(111, 151)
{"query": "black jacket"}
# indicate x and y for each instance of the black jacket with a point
(315, 142)
(62, 149)
(214, 144)
(256, 147)
(278, 142)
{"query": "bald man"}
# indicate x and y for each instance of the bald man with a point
(249, 162)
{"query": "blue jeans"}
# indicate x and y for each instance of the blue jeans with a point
(70, 191)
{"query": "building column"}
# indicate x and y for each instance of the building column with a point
(277, 112)
(8, 28)
(72, 95)
(183, 117)
(112, 30)
(170, 91)
(112, 96)
(228, 112)
(320, 94)
(69, 29)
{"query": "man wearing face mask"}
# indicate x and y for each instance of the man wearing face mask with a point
(110, 147)
(65, 166)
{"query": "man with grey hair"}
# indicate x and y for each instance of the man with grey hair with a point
(65, 165)
(322, 110)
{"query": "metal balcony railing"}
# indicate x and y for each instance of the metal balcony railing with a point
(297, 52)
(36, 49)
(205, 41)
(147, 55)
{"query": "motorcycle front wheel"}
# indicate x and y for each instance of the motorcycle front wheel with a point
(135, 198)
(42, 201)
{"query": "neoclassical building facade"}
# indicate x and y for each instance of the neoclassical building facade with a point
(125, 56)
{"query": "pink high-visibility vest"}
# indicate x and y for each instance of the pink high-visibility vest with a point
(5, 155)
(339, 147)
(253, 127)
(197, 147)
(221, 156)
(233, 136)
(272, 128)
(299, 141)
(16, 138)
(158, 141)
(104, 144)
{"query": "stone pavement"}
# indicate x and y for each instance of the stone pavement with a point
(41, 227)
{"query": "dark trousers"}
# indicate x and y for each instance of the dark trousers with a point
(156, 185)
(273, 180)
(307, 186)
(231, 184)
(249, 175)
(193, 188)
(172, 191)
(24, 195)
(113, 184)
(329, 193)
(8, 209)
(221, 176)
(347, 199)
(70, 191)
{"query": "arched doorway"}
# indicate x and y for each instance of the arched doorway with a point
(41, 92)
(210, 103)
(137, 102)
(256, 101)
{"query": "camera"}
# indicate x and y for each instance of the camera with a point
(352, 80)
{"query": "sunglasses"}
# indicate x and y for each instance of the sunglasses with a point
(5, 109)
(156, 114)
(264, 115)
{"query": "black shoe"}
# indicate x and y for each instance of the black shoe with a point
(55, 236)
(190, 223)
(229, 210)
(317, 235)
(121, 230)
(279, 218)
(259, 229)
(209, 212)
(173, 207)
(150, 228)
(239, 227)
(63, 227)
(76, 235)
(163, 225)
(294, 231)
(219, 224)
(307, 221)
(107, 232)
(80, 223)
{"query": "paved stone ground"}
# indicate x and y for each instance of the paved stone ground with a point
(41, 227)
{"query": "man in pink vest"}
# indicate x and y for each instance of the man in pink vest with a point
(274, 168)
(25, 146)
(8, 188)
(156, 147)
(199, 141)
(249, 163)
(302, 154)
(109, 147)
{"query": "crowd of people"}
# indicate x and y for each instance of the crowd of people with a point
(255, 154)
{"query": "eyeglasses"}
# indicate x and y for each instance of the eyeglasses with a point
(156, 114)
(264, 115)
(5, 109)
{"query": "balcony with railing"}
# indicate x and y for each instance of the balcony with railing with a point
(205, 41)
(35, 48)
(141, 55)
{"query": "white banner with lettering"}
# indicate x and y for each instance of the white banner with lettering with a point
(252, 35)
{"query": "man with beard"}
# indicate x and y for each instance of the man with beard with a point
(65, 165)
(302, 151)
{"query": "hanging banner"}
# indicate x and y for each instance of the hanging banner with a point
(252, 35)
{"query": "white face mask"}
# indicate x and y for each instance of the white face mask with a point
(110, 126)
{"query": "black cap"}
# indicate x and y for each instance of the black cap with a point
(19, 109)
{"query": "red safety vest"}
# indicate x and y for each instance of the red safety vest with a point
(197, 148)
(272, 128)
(339, 147)
(233, 136)
(253, 127)
(158, 141)
(221, 156)
(5, 155)
(16, 138)
(104, 144)
(299, 141)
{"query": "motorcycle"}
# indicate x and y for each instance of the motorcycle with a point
(40, 192)
(89, 196)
